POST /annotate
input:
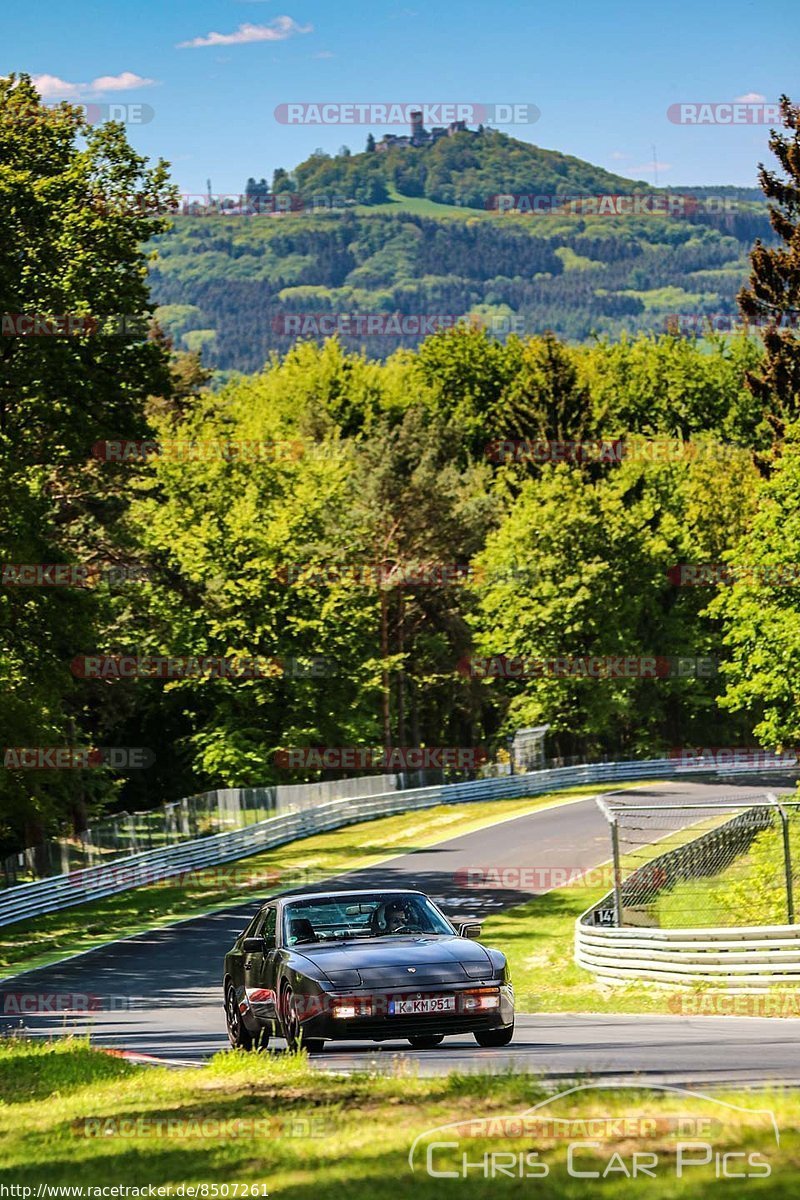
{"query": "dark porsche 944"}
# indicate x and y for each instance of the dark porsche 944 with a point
(363, 965)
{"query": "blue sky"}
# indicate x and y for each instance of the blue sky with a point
(602, 75)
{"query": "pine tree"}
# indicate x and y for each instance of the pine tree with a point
(370, 143)
(773, 295)
(280, 180)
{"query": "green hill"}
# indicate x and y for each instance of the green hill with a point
(410, 233)
(466, 170)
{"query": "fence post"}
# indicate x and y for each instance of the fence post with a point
(787, 858)
(611, 817)
(617, 871)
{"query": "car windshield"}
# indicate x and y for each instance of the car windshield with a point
(334, 918)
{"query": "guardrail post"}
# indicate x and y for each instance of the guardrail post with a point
(787, 858)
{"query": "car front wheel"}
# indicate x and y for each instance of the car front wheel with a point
(292, 1028)
(238, 1035)
(495, 1037)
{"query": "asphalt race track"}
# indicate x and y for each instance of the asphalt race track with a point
(159, 993)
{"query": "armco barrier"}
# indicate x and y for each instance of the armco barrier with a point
(740, 958)
(63, 891)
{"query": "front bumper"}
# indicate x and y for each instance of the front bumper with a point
(320, 1019)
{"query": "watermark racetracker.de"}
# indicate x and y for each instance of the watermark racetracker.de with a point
(731, 758)
(387, 759)
(377, 113)
(212, 1129)
(77, 758)
(728, 574)
(609, 450)
(405, 575)
(702, 323)
(129, 113)
(201, 666)
(393, 325)
(132, 450)
(236, 876)
(611, 204)
(726, 112)
(42, 1004)
(645, 1142)
(589, 666)
(80, 575)
(779, 1002)
(134, 326)
(529, 878)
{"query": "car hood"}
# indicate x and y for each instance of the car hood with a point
(386, 961)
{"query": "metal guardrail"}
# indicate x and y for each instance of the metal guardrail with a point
(738, 958)
(93, 883)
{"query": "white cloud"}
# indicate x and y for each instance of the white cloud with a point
(618, 154)
(324, 54)
(277, 31)
(750, 98)
(51, 87)
(120, 83)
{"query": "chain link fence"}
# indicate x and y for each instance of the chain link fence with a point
(707, 864)
(204, 815)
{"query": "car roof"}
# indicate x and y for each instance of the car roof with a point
(355, 892)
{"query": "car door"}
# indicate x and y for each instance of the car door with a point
(259, 968)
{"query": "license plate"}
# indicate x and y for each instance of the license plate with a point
(428, 1004)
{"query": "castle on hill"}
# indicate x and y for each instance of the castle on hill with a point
(420, 136)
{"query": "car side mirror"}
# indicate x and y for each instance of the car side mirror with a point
(254, 945)
(470, 929)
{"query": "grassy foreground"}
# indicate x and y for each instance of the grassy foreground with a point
(73, 1116)
(34, 943)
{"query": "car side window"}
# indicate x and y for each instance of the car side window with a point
(254, 928)
(268, 929)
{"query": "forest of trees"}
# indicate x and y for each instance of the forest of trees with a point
(286, 512)
(224, 283)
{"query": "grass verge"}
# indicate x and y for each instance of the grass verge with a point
(749, 891)
(43, 940)
(73, 1116)
(538, 938)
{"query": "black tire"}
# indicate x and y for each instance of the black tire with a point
(292, 1029)
(427, 1041)
(495, 1037)
(238, 1035)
